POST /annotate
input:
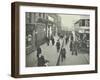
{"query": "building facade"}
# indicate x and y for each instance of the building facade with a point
(35, 30)
(38, 27)
(54, 24)
(82, 31)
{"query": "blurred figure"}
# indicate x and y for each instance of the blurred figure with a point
(71, 38)
(71, 45)
(63, 54)
(64, 51)
(53, 41)
(75, 48)
(47, 40)
(46, 63)
(41, 60)
(58, 45)
(66, 39)
(38, 51)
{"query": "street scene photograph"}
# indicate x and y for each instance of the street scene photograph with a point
(56, 39)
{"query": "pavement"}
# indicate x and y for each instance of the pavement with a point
(81, 58)
(50, 53)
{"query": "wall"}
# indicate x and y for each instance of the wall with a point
(5, 40)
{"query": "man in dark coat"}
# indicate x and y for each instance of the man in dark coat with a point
(75, 48)
(66, 39)
(47, 40)
(71, 45)
(41, 60)
(53, 41)
(72, 37)
(58, 45)
(38, 51)
(63, 54)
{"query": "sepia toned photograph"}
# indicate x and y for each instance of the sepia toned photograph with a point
(54, 39)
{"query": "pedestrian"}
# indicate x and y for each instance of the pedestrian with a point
(71, 37)
(63, 54)
(58, 45)
(38, 51)
(66, 39)
(71, 45)
(51, 37)
(41, 60)
(47, 40)
(53, 41)
(75, 48)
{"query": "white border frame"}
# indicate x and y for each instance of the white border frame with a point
(70, 68)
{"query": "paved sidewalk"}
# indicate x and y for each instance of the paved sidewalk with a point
(49, 52)
(81, 58)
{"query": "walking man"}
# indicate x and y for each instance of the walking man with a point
(38, 51)
(63, 54)
(75, 48)
(71, 45)
(58, 45)
(47, 40)
(53, 41)
(66, 39)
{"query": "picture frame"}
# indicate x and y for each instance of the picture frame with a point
(20, 34)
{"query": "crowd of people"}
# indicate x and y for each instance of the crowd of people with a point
(41, 61)
(61, 49)
(73, 46)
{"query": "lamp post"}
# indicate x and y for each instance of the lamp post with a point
(35, 36)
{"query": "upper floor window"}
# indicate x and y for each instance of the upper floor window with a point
(28, 17)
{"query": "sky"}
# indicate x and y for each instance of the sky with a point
(68, 20)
